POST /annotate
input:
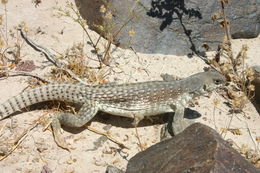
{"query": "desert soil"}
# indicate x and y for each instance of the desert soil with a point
(92, 152)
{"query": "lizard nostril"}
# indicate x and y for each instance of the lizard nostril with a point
(204, 87)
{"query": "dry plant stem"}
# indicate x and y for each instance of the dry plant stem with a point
(228, 35)
(138, 138)
(82, 23)
(20, 139)
(97, 41)
(23, 73)
(4, 51)
(2, 129)
(227, 30)
(6, 30)
(114, 35)
(249, 131)
(124, 24)
(83, 26)
(228, 127)
(106, 53)
(51, 57)
(73, 75)
(214, 118)
(109, 136)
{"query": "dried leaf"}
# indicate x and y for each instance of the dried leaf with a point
(102, 9)
(251, 88)
(235, 131)
(222, 23)
(223, 130)
(1, 19)
(216, 102)
(225, 1)
(131, 32)
(117, 160)
(4, 1)
(216, 16)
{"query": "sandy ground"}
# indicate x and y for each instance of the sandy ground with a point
(93, 152)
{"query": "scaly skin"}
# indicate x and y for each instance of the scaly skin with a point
(134, 100)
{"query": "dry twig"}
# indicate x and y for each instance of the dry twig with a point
(23, 73)
(20, 139)
(109, 136)
(139, 141)
(50, 57)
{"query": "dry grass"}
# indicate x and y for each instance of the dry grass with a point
(240, 89)
(233, 67)
(102, 52)
(76, 61)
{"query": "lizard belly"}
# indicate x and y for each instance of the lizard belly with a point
(132, 112)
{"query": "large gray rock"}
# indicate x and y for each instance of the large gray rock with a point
(169, 26)
(198, 149)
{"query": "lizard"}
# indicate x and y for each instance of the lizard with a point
(132, 100)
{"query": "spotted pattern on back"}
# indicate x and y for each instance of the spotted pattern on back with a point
(136, 95)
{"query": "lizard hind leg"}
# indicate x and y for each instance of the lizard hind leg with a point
(137, 119)
(85, 114)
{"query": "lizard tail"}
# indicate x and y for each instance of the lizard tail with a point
(43, 93)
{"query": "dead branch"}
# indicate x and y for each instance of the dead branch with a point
(24, 73)
(50, 57)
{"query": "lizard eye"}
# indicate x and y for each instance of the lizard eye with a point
(217, 81)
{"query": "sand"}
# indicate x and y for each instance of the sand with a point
(92, 152)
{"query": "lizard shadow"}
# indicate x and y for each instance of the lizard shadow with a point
(105, 118)
(148, 121)
(124, 122)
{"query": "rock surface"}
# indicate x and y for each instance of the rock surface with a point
(169, 26)
(256, 83)
(198, 149)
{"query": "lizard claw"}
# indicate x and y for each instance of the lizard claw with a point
(56, 130)
(177, 127)
(61, 143)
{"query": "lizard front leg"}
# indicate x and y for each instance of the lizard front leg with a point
(86, 113)
(180, 123)
(175, 124)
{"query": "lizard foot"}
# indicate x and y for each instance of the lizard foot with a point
(56, 129)
(137, 119)
(165, 133)
(170, 130)
(179, 126)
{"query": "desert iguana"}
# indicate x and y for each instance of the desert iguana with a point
(134, 100)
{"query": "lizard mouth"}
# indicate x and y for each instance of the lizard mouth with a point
(208, 88)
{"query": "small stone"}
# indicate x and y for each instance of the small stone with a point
(27, 65)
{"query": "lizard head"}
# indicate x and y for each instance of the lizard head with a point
(212, 80)
(205, 82)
